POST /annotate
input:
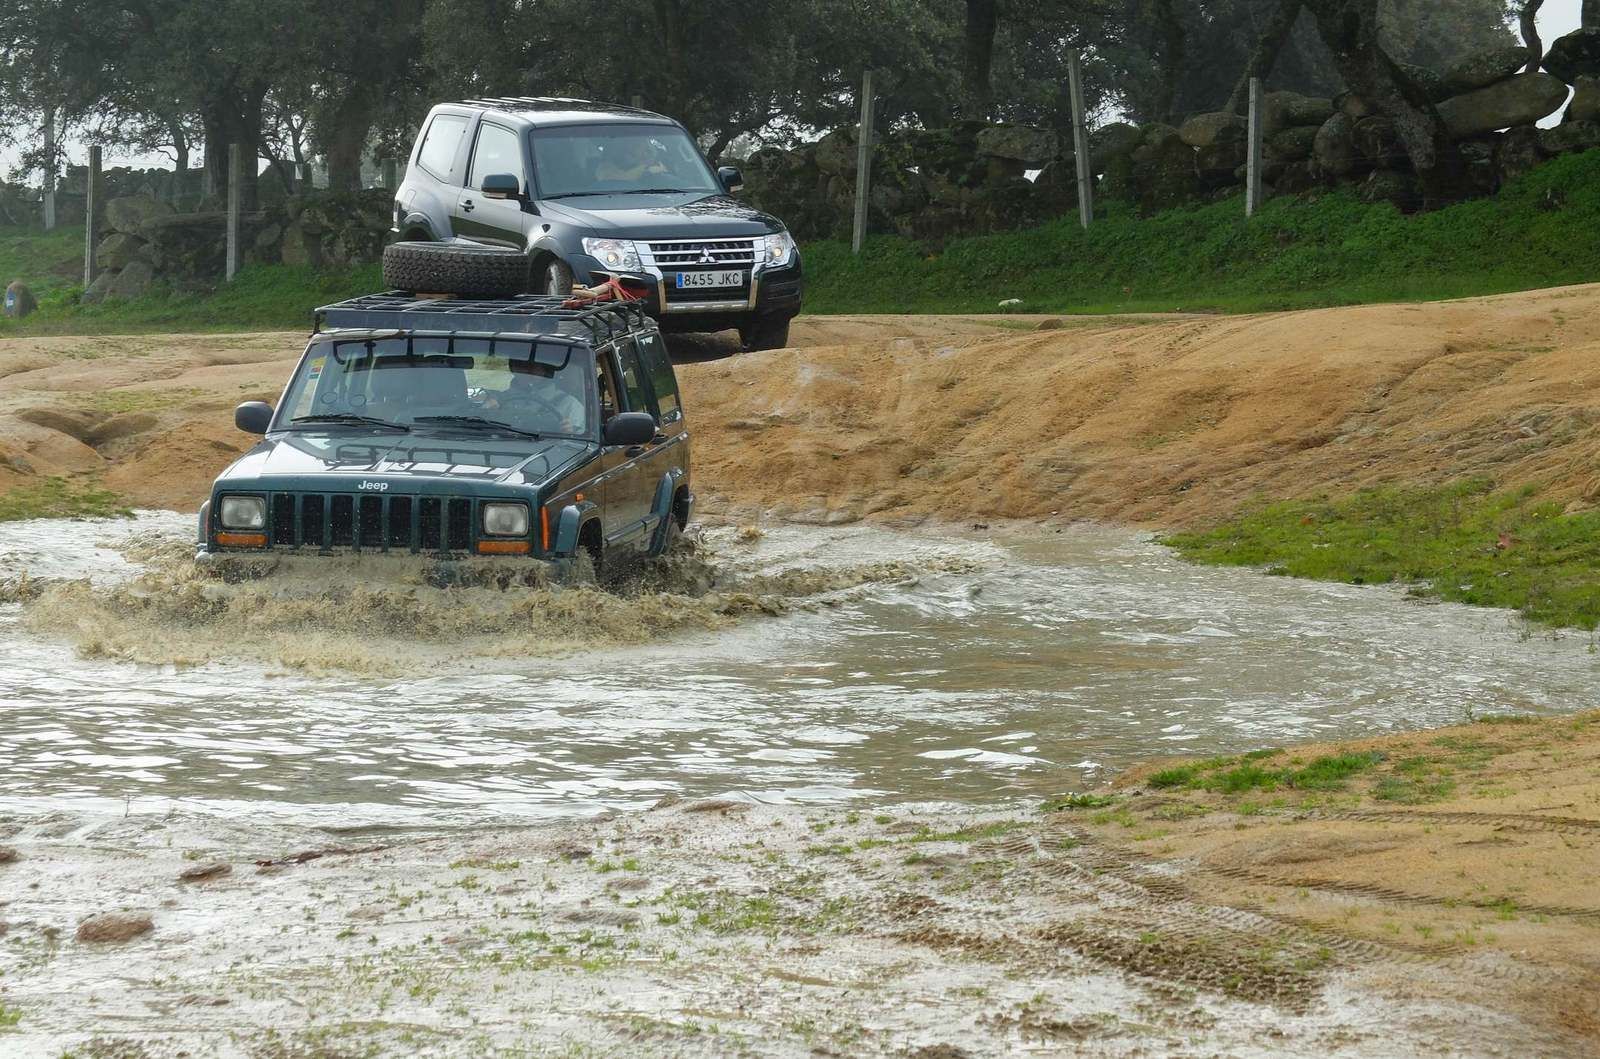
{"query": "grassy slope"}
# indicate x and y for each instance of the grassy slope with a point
(1462, 542)
(1540, 231)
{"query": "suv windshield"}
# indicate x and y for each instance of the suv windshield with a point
(618, 160)
(442, 384)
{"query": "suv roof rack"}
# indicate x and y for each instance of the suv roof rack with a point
(526, 314)
(565, 103)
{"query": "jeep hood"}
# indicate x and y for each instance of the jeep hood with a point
(422, 462)
(677, 216)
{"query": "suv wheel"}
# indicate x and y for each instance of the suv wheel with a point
(766, 332)
(471, 270)
(557, 278)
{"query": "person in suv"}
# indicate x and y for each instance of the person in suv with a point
(591, 192)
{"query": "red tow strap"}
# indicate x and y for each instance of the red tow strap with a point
(612, 290)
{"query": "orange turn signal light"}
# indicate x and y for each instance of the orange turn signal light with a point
(242, 540)
(504, 548)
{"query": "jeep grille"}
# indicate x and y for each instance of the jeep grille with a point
(373, 523)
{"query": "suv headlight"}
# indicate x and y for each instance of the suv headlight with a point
(505, 520)
(780, 248)
(244, 513)
(614, 253)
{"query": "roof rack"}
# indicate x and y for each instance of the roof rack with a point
(526, 314)
(534, 103)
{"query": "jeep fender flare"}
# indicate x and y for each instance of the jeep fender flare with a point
(205, 524)
(569, 524)
(661, 510)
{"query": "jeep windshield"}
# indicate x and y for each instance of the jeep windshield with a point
(577, 160)
(504, 385)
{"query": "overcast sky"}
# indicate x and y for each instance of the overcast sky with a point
(1556, 19)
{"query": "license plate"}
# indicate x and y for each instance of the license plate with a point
(699, 280)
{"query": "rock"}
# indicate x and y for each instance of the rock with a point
(1377, 144)
(205, 872)
(132, 213)
(1391, 186)
(118, 249)
(19, 302)
(1484, 68)
(1114, 141)
(1352, 106)
(1517, 152)
(1030, 146)
(1432, 84)
(115, 927)
(835, 153)
(1586, 101)
(1208, 130)
(96, 291)
(300, 247)
(1295, 143)
(1333, 152)
(1055, 323)
(1479, 157)
(1520, 100)
(1295, 178)
(9, 855)
(1570, 137)
(267, 238)
(132, 282)
(1215, 165)
(723, 805)
(1287, 110)
(1575, 55)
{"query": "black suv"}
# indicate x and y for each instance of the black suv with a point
(453, 428)
(590, 191)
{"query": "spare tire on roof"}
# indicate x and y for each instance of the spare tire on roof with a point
(467, 269)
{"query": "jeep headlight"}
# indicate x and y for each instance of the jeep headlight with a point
(614, 253)
(780, 248)
(505, 520)
(244, 513)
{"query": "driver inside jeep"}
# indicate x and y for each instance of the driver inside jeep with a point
(541, 401)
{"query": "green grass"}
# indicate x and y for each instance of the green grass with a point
(1241, 775)
(59, 498)
(1462, 542)
(1337, 250)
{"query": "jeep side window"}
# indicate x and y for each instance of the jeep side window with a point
(605, 385)
(633, 377)
(498, 150)
(654, 350)
(439, 146)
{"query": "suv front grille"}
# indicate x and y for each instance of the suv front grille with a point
(373, 523)
(690, 253)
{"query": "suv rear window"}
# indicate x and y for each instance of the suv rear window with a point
(440, 144)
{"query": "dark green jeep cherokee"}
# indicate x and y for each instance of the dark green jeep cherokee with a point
(452, 428)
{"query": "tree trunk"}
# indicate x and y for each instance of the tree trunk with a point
(214, 181)
(1529, 17)
(230, 118)
(1267, 50)
(983, 17)
(1350, 30)
(342, 132)
(1591, 14)
(670, 31)
(1170, 64)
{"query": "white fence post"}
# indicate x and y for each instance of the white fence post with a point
(1253, 183)
(235, 202)
(92, 207)
(863, 164)
(1080, 140)
(50, 169)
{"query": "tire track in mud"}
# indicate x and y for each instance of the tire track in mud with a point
(1513, 821)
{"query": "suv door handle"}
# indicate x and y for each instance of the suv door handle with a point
(466, 206)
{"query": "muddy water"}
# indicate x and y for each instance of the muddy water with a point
(996, 669)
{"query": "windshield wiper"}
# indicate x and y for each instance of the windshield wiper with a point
(580, 194)
(350, 417)
(660, 191)
(478, 421)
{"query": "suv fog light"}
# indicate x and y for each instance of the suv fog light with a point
(244, 512)
(614, 253)
(505, 520)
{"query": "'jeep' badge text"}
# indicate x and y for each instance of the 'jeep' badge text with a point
(379, 486)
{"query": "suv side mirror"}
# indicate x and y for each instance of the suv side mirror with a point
(501, 186)
(253, 417)
(630, 428)
(731, 179)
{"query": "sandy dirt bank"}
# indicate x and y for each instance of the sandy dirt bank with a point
(1143, 921)
(1149, 420)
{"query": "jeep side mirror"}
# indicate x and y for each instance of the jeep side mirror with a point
(731, 179)
(630, 428)
(501, 186)
(253, 417)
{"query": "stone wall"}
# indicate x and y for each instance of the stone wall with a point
(969, 178)
(147, 241)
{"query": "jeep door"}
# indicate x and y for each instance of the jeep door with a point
(495, 150)
(630, 482)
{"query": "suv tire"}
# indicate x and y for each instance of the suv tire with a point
(471, 270)
(556, 279)
(766, 332)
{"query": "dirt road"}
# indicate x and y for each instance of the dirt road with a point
(1147, 420)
